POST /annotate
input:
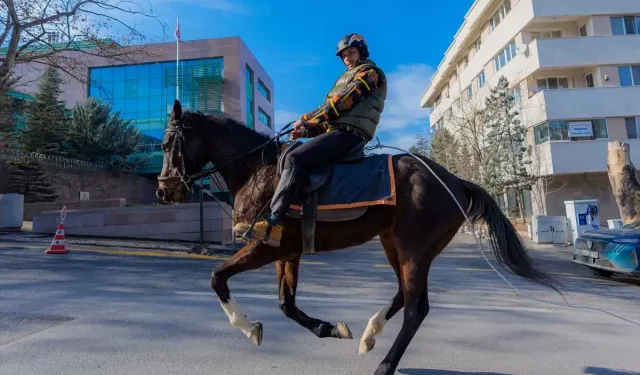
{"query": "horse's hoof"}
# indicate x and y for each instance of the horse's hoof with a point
(366, 345)
(256, 333)
(343, 331)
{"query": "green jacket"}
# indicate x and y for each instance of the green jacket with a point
(364, 115)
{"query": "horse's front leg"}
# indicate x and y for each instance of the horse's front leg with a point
(252, 256)
(287, 283)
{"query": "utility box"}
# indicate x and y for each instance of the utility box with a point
(11, 211)
(549, 229)
(582, 215)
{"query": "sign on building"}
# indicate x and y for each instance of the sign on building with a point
(580, 129)
(84, 195)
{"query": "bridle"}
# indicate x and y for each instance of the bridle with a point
(180, 141)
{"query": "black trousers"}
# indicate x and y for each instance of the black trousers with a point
(317, 152)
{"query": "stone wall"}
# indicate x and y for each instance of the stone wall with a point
(163, 222)
(101, 184)
(35, 209)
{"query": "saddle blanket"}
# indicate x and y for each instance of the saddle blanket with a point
(368, 182)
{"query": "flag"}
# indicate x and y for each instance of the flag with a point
(176, 34)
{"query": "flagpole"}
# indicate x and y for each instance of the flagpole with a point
(177, 58)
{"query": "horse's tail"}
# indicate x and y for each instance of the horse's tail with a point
(504, 239)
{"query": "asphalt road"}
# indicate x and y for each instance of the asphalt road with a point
(100, 311)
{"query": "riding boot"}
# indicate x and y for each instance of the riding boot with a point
(269, 230)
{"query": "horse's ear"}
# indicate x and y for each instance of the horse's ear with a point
(176, 112)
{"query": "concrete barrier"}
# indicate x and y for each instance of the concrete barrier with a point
(164, 222)
(33, 209)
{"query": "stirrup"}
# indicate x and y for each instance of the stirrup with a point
(248, 234)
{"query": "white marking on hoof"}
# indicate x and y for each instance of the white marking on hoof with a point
(375, 326)
(239, 319)
(344, 331)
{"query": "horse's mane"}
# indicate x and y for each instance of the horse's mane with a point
(242, 136)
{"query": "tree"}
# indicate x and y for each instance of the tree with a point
(444, 150)
(623, 178)
(507, 163)
(57, 33)
(7, 110)
(422, 146)
(98, 135)
(46, 129)
(467, 123)
(30, 180)
(543, 182)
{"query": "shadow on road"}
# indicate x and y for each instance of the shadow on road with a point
(416, 371)
(606, 371)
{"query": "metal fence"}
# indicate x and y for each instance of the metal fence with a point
(53, 161)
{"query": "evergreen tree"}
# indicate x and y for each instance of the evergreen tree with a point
(508, 158)
(46, 129)
(98, 135)
(30, 180)
(422, 146)
(444, 150)
(7, 110)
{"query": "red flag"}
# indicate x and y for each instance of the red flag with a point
(176, 34)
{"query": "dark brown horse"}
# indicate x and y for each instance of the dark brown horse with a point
(413, 232)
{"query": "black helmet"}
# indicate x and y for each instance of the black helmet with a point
(353, 40)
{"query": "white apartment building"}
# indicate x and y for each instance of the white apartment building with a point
(575, 67)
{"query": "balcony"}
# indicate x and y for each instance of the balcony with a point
(579, 157)
(582, 103)
(567, 8)
(586, 51)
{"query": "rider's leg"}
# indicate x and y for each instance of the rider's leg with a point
(319, 151)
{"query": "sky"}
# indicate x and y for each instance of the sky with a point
(295, 42)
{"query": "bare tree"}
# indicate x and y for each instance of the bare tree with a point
(63, 33)
(467, 122)
(543, 181)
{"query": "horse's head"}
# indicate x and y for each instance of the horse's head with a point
(184, 156)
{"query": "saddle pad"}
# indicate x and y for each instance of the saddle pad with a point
(369, 182)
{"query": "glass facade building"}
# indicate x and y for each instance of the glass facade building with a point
(144, 93)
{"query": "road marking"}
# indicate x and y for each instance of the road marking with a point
(475, 269)
(367, 301)
(144, 253)
(442, 268)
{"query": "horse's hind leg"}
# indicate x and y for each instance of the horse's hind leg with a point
(379, 319)
(253, 255)
(287, 283)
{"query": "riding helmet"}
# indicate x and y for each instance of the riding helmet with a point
(353, 40)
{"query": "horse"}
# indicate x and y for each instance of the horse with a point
(413, 231)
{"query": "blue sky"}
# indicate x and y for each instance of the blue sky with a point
(295, 42)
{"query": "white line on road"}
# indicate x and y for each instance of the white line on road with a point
(371, 302)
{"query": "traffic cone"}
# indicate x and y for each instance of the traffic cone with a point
(59, 244)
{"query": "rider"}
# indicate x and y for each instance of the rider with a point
(348, 117)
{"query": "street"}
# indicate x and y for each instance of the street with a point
(96, 311)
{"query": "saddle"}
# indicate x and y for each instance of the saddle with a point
(310, 189)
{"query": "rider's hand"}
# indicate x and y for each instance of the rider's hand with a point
(298, 131)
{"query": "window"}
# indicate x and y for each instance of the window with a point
(437, 101)
(546, 34)
(248, 75)
(505, 56)
(500, 14)
(477, 44)
(553, 83)
(588, 79)
(629, 75)
(469, 91)
(516, 93)
(481, 80)
(465, 61)
(627, 25)
(264, 117)
(264, 90)
(144, 93)
(559, 130)
(632, 124)
(583, 30)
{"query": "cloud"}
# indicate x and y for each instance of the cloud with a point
(227, 6)
(405, 88)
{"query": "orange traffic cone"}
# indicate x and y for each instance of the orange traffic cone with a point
(59, 244)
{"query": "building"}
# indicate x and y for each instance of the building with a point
(574, 65)
(213, 75)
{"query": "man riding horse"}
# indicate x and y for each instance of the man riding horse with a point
(349, 117)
